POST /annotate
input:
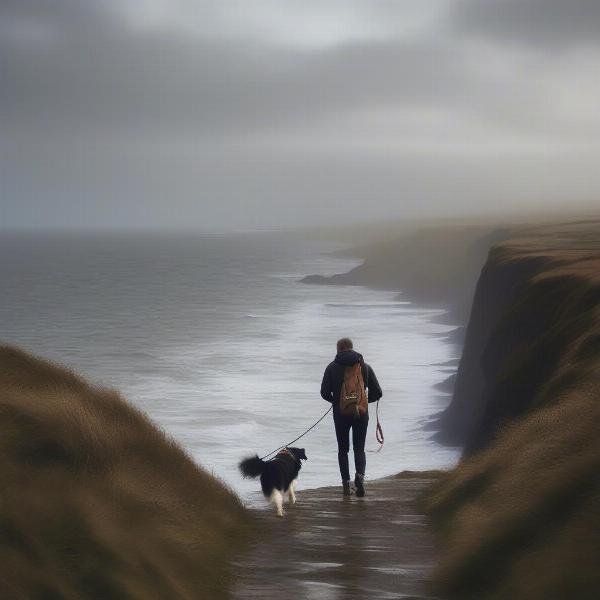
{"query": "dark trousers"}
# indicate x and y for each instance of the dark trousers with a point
(359, 433)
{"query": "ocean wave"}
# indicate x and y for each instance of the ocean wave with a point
(366, 304)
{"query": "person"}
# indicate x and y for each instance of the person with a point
(330, 390)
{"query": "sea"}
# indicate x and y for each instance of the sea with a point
(216, 339)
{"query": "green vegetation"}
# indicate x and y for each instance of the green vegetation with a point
(98, 502)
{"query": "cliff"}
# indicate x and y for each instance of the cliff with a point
(96, 501)
(519, 517)
(533, 315)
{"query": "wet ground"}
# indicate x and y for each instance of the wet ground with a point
(330, 547)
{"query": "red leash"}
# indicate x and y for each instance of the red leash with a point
(378, 431)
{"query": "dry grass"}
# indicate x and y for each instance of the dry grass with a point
(96, 501)
(521, 519)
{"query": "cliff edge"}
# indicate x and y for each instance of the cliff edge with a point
(533, 333)
(520, 516)
(96, 501)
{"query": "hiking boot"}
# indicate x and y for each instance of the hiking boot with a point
(346, 487)
(359, 485)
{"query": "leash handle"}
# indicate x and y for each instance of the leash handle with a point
(378, 429)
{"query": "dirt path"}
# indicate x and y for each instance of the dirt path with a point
(331, 547)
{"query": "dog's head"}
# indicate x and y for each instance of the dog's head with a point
(299, 453)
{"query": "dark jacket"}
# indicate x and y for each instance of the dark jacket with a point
(333, 378)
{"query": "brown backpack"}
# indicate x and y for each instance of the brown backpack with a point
(353, 397)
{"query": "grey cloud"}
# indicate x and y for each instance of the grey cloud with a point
(106, 121)
(96, 76)
(530, 22)
(152, 84)
(100, 76)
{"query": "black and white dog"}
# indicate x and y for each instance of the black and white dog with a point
(278, 476)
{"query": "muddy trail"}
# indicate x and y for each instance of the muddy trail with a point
(332, 547)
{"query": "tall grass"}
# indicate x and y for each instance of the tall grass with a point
(96, 501)
(521, 518)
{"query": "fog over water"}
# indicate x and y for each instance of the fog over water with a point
(217, 341)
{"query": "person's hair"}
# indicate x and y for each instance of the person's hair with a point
(344, 344)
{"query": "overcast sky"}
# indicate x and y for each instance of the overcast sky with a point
(261, 113)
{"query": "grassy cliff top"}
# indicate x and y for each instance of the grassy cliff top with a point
(521, 518)
(97, 501)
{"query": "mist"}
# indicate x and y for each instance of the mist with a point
(217, 116)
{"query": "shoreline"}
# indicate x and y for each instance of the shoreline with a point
(539, 449)
(375, 255)
(434, 266)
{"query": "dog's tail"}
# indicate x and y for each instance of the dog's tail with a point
(252, 466)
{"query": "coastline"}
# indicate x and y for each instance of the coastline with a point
(434, 266)
(186, 360)
(519, 515)
(524, 496)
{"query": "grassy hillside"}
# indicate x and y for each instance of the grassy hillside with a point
(96, 501)
(520, 516)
